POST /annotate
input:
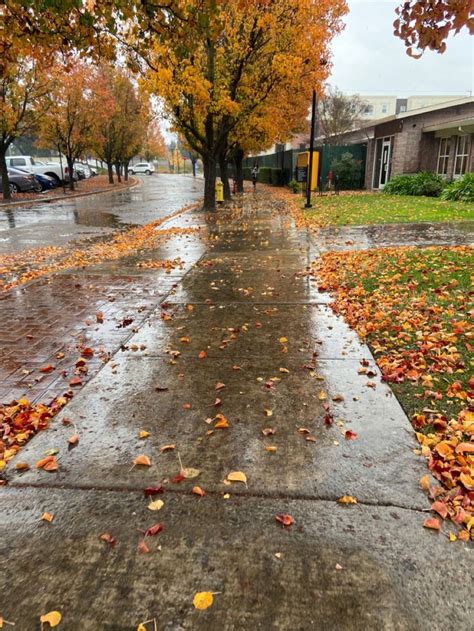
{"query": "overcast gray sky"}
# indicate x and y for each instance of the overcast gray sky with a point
(369, 59)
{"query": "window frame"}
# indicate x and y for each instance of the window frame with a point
(461, 158)
(443, 158)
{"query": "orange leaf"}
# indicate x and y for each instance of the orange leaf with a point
(142, 460)
(107, 537)
(198, 491)
(222, 422)
(73, 440)
(440, 508)
(46, 369)
(75, 381)
(202, 355)
(432, 523)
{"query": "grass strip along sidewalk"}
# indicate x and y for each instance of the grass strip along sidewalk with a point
(414, 308)
(354, 208)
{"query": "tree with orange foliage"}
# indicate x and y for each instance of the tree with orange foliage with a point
(69, 120)
(238, 56)
(154, 145)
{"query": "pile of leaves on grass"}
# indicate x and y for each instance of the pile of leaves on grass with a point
(414, 307)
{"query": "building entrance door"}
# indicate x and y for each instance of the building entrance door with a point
(385, 162)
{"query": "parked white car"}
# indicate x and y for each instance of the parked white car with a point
(142, 167)
(29, 164)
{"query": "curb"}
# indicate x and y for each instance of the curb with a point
(50, 200)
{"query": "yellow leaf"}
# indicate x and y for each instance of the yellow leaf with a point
(198, 491)
(189, 473)
(452, 536)
(53, 618)
(285, 370)
(270, 448)
(268, 412)
(47, 517)
(237, 476)
(226, 496)
(283, 340)
(143, 434)
(203, 600)
(141, 627)
(142, 460)
(347, 499)
(156, 505)
(322, 396)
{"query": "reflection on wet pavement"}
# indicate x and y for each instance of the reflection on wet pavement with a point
(61, 222)
(387, 235)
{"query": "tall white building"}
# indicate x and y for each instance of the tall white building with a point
(382, 106)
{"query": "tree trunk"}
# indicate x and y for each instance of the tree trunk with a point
(110, 171)
(224, 169)
(117, 170)
(4, 172)
(193, 162)
(125, 170)
(70, 168)
(239, 171)
(209, 164)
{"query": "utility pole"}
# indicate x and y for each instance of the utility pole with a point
(311, 151)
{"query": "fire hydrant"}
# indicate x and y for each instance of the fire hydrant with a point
(219, 192)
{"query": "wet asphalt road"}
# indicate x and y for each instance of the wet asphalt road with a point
(272, 346)
(58, 223)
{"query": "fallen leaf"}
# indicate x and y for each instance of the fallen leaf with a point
(338, 567)
(425, 482)
(432, 523)
(440, 508)
(48, 464)
(202, 355)
(237, 476)
(167, 447)
(22, 466)
(268, 431)
(203, 600)
(222, 422)
(73, 440)
(46, 369)
(284, 370)
(107, 537)
(47, 517)
(219, 385)
(310, 439)
(285, 520)
(186, 406)
(271, 448)
(142, 460)
(142, 549)
(156, 505)
(350, 435)
(189, 473)
(53, 618)
(347, 499)
(198, 491)
(153, 490)
(75, 381)
(268, 412)
(283, 340)
(322, 396)
(153, 530)
(99, 316)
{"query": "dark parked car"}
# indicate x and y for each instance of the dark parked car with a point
(22, 182)
(47, 182)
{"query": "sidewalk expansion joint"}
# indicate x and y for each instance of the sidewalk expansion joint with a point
(286, 497)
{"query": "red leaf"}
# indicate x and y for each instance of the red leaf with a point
(75, 381)
(153, 490)
(142, 547)
(153, 530)
(432, 523)
(177, 478)
(350, 435)
(285, 520)
(440, 508)
(47, 368)
(107, 537)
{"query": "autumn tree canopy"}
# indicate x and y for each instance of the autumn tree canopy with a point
(221, 62)
(423, 24)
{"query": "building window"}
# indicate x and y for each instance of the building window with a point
(443, 155)
(462, 155)
(403, 108)
(384, 108)
(368, 109)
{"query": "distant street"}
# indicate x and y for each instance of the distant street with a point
(44, 224)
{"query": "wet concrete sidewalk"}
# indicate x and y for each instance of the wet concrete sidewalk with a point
(279, 366)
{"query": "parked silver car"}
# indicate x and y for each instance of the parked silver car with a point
(22, 182)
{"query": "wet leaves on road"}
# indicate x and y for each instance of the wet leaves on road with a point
(53, 618)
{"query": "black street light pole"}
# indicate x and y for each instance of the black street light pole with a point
(311, 150)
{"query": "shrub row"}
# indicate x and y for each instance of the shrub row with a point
(432, 185)
(461, 190)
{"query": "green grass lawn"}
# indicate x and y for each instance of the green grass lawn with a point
(374, 208)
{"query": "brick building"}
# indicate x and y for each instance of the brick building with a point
(439, 138)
